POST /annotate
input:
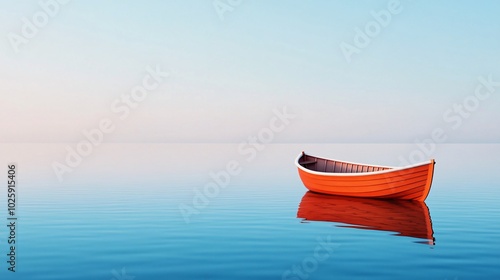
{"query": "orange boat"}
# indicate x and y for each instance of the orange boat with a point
(335, 177)
(407, 218)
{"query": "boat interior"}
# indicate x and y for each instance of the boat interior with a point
(332, 166)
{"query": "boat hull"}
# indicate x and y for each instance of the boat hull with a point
(358, 180)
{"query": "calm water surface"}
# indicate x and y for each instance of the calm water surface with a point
(151, 211)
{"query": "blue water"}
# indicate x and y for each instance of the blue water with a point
(116, 216)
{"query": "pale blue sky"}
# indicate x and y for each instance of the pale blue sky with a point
(226, 76)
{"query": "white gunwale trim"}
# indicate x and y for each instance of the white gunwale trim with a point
(392, 169)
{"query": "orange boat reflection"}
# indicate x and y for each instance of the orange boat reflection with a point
(406, 217)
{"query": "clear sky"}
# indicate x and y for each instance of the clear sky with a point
(227, 75)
